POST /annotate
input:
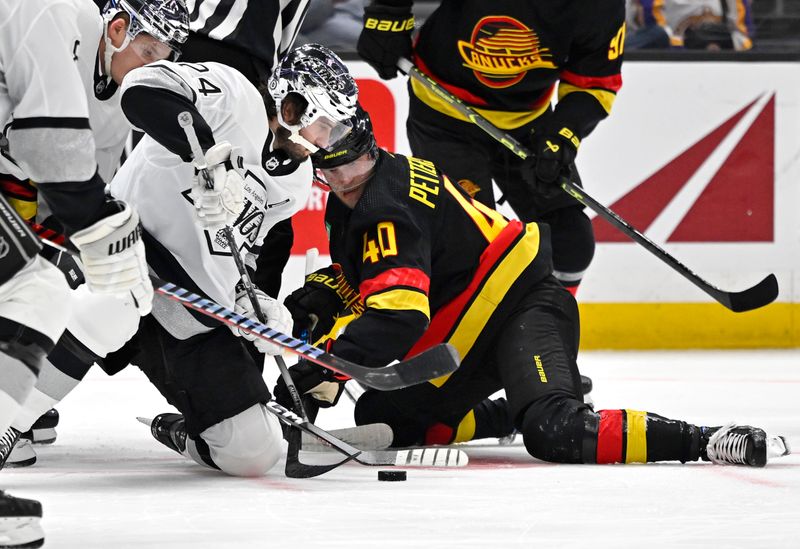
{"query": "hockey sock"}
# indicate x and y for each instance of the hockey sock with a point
(15, 386)
(631, 436)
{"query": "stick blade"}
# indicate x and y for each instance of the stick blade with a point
(763, 293)
(373, 436)
(296, 469)
(416, 457)
(440, 360)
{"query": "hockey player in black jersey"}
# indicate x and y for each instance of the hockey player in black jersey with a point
(508, 59)
(434, 265)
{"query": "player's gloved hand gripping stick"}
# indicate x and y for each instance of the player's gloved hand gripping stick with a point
(754, 297)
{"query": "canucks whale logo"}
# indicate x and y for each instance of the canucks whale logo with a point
(502, 50)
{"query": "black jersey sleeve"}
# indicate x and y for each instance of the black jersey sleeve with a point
(591, 78)
(395, 266)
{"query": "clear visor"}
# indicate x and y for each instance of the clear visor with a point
(347, 176)
(325, 133)
(150, 50)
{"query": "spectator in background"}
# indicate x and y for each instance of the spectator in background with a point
(691, 24)
(333, 23)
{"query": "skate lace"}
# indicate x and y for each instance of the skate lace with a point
(7, 441)
(727, 447)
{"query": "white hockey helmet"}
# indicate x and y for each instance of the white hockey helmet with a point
(165, 20)
(317, 75)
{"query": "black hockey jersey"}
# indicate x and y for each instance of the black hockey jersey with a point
(431, 263)
(505, 58)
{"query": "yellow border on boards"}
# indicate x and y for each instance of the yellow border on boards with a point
(687, 326)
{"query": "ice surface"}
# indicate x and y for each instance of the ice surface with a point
(107, 484)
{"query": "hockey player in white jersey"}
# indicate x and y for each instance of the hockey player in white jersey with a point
(128, 34)
(43, 99)
(197, 364)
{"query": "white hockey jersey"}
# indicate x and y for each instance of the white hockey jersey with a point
(40, 44)
(109, 126)
(157, 182)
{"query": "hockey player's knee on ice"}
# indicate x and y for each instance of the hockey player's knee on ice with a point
(553, 428)
(246, 445)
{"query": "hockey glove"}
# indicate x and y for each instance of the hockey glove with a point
(112, 253)
(386, 37)
(555, 151)
(323, 385)
(276, 316)
(221, 205)
(316, 305)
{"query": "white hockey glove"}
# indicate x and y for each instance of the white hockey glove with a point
(113, 258)
(220, 206)
(276, 315)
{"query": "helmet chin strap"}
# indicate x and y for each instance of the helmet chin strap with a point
(111, 50)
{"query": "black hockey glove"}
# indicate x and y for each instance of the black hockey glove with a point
(386, 36)
(323, 385)
(316, 305)
(555, 147)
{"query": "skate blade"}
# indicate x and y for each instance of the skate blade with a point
(777, 446)
(21, 532)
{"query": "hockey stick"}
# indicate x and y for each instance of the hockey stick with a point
(437, 361)
(754, 297)
(372, 436)
(185, 122)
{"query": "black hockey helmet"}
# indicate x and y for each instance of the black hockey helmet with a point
(359, 141)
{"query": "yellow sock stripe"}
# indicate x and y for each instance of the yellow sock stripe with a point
(636, 437)
(466, 428)
(401, 300)
(605, 98)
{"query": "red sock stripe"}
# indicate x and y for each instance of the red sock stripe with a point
(439, 433)
(610, 436)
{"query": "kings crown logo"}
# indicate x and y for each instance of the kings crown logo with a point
(502, 50)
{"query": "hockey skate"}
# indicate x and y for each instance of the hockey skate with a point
(19, 522)
(22, 454)
(169, 429)
(43, 431)
(741, 445)
(7, 442)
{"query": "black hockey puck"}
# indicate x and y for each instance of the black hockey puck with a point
(391, 475)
